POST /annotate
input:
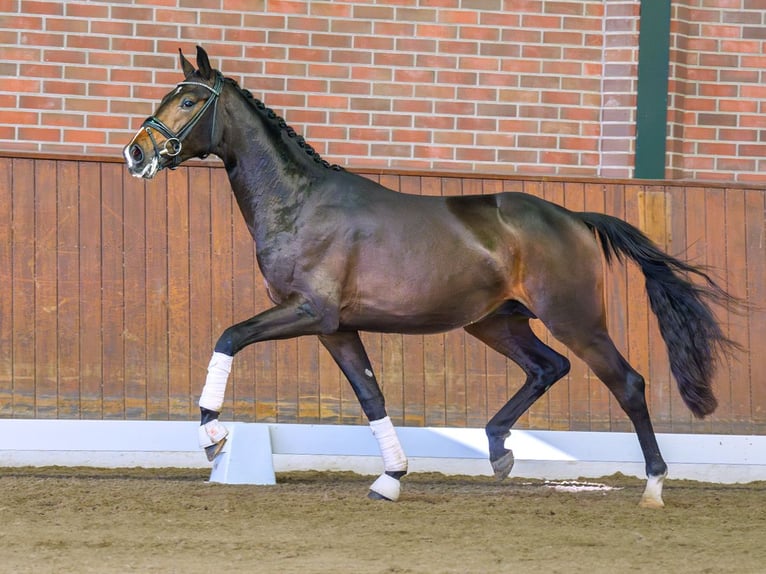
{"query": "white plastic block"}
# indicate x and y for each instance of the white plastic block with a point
(246, 457)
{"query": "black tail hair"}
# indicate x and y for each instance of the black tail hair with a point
(692, 335)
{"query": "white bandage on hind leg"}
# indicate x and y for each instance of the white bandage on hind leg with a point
(215, 384)
(387, 486)
(394, 458)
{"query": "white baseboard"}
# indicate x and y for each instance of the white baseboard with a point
(249, 458)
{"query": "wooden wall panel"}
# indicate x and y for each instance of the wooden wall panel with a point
(114, 291)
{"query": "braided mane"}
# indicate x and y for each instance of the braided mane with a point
(277, 120)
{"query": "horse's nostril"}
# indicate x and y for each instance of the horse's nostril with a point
(136, 153)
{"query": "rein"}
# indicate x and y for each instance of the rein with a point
(174, 141)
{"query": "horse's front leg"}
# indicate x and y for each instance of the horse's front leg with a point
(347, 350)
(285, 321)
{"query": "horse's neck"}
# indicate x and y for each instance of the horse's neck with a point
(268, 177)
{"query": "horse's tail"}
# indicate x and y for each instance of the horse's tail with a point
(691, 333)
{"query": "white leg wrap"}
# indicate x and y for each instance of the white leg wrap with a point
(215, 384)
(394, 458)
(387, 486)
(652, 497)
(212, 432)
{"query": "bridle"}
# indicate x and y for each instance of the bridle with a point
(174, 141)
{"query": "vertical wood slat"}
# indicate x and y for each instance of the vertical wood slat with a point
(7, 236)
(90, 290)
(637, 310)
(112, 293)
(200, 304)
(23, 288)
(736, 282)
(598, 407)
(654, 212)
(147, 274)
(156, 285)
(680, 416)
(696, 241)
(755, 225)
(616, 291)
(134, 213)
(180, 392)
(70, 294)
(45, 315)
(715, 252)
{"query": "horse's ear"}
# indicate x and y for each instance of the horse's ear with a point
(185, 64)
(203, 63)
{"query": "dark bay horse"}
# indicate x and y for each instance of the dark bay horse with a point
(342, 254)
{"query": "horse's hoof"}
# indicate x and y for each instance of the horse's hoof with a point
(651, 503)
(386, 487)
(652, 497)
(372, 495)
(213, 450)
(503, 465)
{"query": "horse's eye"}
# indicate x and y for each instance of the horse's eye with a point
(187, 103)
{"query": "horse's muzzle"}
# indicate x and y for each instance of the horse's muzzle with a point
(140, 164)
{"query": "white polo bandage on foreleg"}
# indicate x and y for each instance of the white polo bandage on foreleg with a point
(215, 384)
(212, 432)
(394, 458)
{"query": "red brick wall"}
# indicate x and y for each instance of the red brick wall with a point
(717, 90)
(500, 86)
(477, 85)
(619, 87)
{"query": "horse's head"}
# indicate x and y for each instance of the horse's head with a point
(184, 125)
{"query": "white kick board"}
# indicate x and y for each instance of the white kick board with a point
(256, 451)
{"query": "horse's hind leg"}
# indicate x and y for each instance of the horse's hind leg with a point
(597, 349)
(512, 336)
